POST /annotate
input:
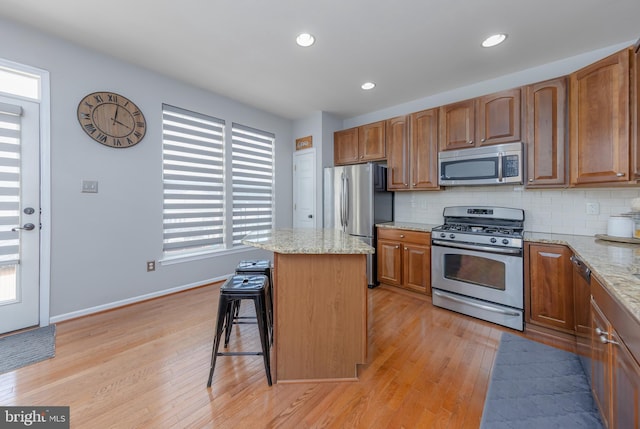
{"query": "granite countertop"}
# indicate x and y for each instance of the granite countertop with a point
(617, 265)
(309, 241)
(410, 226)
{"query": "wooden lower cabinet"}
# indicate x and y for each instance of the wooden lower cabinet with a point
(615, 372)
(549, 285)
(404, 259)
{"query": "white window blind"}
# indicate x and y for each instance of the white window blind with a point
(10, 121)
(252, 181)
(193, 180)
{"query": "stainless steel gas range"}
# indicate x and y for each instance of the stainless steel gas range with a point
(477, 263)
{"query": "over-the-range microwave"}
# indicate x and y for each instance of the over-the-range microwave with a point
(488, 165)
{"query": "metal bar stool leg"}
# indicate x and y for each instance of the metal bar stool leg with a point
(263, 328)
(223, 308)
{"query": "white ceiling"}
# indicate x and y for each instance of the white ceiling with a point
(245, 49)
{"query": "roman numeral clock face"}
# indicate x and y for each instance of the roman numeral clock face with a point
(111, 119)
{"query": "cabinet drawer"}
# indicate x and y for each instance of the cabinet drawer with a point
(405, 235)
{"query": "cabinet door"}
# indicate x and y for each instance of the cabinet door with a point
(499, 118)
(600, 365)
(546, 111)
(551, 286)
(599, 117)
(398, 153)
(625, 378)
(345, 146)
(424, 149)
(371, 141)
(457, 125)
(417, 267)
(389, 262)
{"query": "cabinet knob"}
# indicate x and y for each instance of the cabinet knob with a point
(619, 174)
(530, 180)
(397, 247)
(406, 248)
(470, 141)
(483, 140)
(406, 184)
(401, 235)
(415, 184)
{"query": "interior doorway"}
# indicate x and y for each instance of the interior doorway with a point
(304, 189)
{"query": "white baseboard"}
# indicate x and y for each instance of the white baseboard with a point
(133, 300)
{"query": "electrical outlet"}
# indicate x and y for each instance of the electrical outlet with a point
(90, 186)
(151, 265)
(593, 208)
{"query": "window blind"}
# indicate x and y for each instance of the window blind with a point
(252, 181)
(10, 121)
(193, 180)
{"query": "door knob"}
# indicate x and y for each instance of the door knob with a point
(310, 216)
(27, 226)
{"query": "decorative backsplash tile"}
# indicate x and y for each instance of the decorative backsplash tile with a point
(553, 211)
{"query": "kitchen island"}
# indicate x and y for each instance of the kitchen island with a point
(320, 303)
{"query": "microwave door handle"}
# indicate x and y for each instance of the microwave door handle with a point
(500, 167)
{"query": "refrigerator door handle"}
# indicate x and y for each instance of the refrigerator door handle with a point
(342, 200)
(346, 200)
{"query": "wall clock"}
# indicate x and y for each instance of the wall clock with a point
(111, 119)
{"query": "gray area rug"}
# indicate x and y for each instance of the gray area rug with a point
(27, 347)
(537, 386)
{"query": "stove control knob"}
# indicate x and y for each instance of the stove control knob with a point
(443, 235)
(452, 236)
(505, 241)
(493, 240)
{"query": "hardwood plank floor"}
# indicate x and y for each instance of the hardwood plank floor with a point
(146, 366)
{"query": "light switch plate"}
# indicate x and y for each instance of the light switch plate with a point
(90, 186)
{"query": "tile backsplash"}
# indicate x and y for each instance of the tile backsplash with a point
(554, 211)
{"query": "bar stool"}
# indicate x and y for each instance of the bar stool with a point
(251, 267)
(235, 289)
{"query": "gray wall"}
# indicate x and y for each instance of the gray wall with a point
(100, 242)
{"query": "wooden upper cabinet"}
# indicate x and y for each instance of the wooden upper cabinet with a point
(457, 125)
(372, 142)
(487, 120)
(360, 144)
(599, 121)
(412, 151)
(345, 146)
(545, 131)
(498, 118)
(424, 149)
(398, 153)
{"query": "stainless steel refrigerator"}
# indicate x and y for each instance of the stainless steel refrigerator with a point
(355, 200)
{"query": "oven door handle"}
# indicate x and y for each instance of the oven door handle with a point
(500, 250)
(475, 304)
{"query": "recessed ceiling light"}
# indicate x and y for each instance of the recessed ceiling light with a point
(305, 40)
(368, 85)
(494, 40)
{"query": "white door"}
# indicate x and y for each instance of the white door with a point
(304, 188)
(19, 214)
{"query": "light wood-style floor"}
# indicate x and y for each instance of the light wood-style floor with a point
(146, 366)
